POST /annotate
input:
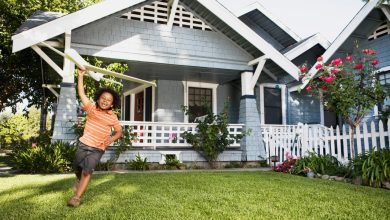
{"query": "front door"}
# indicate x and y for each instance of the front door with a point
(139, 107)
(273, 106)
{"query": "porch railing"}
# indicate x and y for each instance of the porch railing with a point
(151, 135)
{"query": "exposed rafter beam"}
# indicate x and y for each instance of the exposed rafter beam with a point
(359, 36)
(386, 11)
(51, 88)
(56, 44)
(255, 61)
(172, 12)
(270, 74)
(48, 60)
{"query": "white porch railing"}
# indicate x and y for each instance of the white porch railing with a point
(301, 139)
(151, 135)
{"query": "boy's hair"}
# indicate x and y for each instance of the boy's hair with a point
(116, 102)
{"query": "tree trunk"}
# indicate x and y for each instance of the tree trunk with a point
(43, 119)
(352, 135)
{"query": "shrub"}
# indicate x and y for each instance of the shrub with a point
(212, 136)
(44, 158)
(322, 164)
(139, 163)
(171, 162)
(234, 164)
(376, 167)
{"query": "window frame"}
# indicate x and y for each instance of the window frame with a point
(212, 86)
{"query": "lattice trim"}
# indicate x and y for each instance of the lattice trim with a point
(381, 31)
(157, 13)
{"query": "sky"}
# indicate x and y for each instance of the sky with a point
(307, 17)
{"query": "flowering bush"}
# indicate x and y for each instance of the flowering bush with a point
(288, 165)
(349, 87)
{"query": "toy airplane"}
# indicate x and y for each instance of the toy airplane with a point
(96, 73)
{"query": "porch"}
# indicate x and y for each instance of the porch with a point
(279, 140)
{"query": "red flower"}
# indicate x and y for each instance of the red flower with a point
(309, 89)
(369, 51)
(329, 79)
(318, 66)
(319, 59)
(324, 88)
(303, 69)
(348, 58)
(374, 62)
(359, 66)
(336, 62)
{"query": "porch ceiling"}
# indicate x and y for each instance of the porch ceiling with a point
(157, 71)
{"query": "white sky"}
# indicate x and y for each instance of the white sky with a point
(308, 17)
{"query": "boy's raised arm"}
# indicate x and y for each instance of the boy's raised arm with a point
(80, 86)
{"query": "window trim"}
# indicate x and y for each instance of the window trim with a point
(132, 93)
(261, 95)
(212, 86)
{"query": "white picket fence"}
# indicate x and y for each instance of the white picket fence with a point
(299, 140)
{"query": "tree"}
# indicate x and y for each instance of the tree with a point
(21, 72)
(19, 127)
(348, 87)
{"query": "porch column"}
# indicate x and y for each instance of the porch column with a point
(66, 114)
(252, 146)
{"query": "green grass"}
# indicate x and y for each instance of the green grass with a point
(191, 195)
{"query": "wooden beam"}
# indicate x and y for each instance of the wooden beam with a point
(258, 70)
(172, 13)
(386, 11)
(270, 74)
(47, 59)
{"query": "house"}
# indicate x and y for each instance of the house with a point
(370, 28)
(194, 50)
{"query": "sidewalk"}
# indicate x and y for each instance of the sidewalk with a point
(186, 171)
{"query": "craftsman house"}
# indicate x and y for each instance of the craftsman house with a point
(193, 50)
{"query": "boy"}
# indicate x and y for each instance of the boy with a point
(97, 134)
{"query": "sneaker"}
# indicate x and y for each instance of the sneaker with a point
(76, 186)
(74, 201)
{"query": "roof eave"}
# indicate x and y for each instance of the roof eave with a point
(69, 22)
(237, 25)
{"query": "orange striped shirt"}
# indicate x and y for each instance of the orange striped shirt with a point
(98, 126)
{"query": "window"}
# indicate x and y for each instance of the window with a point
(199, 97)
(384, 79)
(199, 102)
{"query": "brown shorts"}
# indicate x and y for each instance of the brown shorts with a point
(87, 158)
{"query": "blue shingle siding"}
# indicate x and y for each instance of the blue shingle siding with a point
(382, 47)
(302, 108)
(149, 42)
(169, 98)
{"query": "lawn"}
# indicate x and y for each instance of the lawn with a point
(191, 195)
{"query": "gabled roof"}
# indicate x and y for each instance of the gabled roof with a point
(347, 33)
(38, 18)
(95, 12)
(304, 45)
(274, 25)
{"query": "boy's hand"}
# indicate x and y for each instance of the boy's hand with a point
(80, 72)
(107, 141)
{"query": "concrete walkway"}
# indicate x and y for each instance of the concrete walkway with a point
(186, 171)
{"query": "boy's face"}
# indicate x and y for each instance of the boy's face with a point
(105, 101)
